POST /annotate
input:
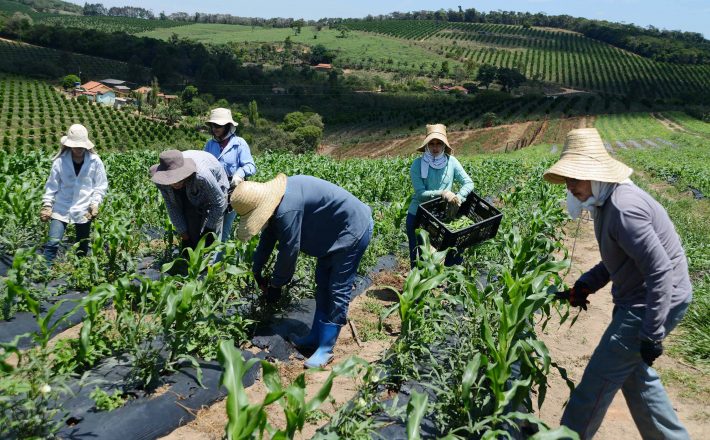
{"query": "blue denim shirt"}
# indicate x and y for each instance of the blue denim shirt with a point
(314, 216)
(235, 158)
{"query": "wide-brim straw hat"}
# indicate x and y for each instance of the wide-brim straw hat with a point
(255, 203)
(77, 137)
(221, 116)
(436, 131)
(585, 158)
(172, 168)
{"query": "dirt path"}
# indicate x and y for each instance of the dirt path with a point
(572, 347)
(210, 422)
(668, 123)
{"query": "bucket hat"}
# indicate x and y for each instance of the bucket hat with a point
(436, 131)
(255, 203)
(77, 137)
(221, 116)
(585, 158)
(172, 168)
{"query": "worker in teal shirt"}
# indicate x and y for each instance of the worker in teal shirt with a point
(322, 220)
(433, 175)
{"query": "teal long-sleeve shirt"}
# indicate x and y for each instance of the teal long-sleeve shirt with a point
(437, 182)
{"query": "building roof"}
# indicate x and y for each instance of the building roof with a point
(96, 87)
(111, 81)
(143, 90)
(323, 66)
(122, 88)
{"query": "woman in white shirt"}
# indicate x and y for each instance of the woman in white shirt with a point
(75, 188)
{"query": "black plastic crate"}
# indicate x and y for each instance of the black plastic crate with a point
(431, 217)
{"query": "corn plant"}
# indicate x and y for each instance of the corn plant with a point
(248, 420)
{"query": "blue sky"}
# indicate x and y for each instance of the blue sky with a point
(686, 15)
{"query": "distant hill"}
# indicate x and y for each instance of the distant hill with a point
(46, 6)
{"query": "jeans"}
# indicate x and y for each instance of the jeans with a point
(227, 224)
(335, 275)
(56, 233)
(616, 364)
(452, 257)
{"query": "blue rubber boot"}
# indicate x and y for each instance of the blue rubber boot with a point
(324, 354)
(310, 341)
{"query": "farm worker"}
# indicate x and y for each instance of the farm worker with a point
(433, 175)
(233, 154)
(323, 220)
(75, 188)
(194, 186)
(642, 256)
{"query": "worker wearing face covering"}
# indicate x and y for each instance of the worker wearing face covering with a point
(642, 256)
(233, 154)
(433, 175)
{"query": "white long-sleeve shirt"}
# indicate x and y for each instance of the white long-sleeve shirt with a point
(70, 195)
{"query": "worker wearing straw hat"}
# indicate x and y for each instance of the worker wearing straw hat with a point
(233, 154)
(194, 186)
(75, 188)
(304, 213)
(642, 256)
(433, 175)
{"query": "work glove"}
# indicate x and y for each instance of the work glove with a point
(45, 214)
(452, 210)
(262, 282)
(236, 180)
(650, 351)
(451, 198)
(92, 212)
(209, 235)
(273, 295)
(577, 295)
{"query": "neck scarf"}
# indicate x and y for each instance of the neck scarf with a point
(429, 160)
(600, 193)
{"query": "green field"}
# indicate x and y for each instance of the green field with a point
(358, 47)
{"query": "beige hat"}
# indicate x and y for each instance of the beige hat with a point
(585, 158)
(221, 116)
(77, 137)
(255, 203)
(436, 131)
(173, 167)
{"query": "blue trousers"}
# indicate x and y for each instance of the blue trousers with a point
(56, 233)
(616, 364)
(227, 224)
(452, 257)
(335, 276)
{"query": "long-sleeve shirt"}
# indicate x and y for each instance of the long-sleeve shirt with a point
(641, 255)
(314, 216)
(70, 194)
(235, 158)
(437, 182)
(206, 191)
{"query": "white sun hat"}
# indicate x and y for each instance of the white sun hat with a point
(221, 116)
(255, 203)
(77, 137)
(585, 158)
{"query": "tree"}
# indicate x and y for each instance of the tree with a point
(189, 93)
(69, 81)
(253, 113)
(486, 75)
(307, 138)
(170, 113)
(18, 23)
(319, 54)
(510, 78)
(152, 98)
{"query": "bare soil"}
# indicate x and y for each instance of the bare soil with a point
(571, 348)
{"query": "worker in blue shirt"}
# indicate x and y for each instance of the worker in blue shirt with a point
(233, 154)
(304, 213)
